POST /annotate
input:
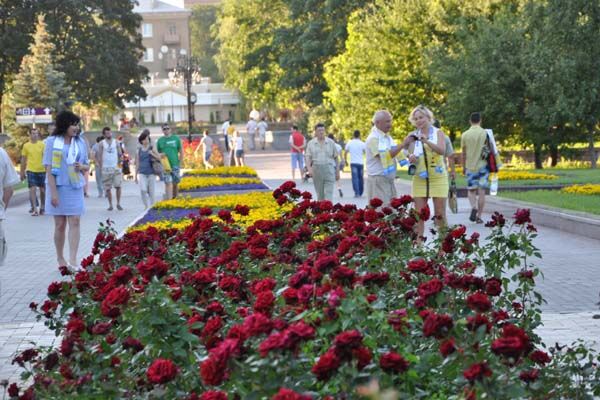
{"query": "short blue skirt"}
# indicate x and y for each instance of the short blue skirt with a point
(70, 201)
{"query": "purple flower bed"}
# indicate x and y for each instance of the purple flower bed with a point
(173, 214)
(224, 188)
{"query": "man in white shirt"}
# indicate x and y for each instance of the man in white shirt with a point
(251, 129)
(8, 179)
(357, 149)
(262, 132)
(226, 142)
(109, 155)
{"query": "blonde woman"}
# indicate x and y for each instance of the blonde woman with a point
(426, 150)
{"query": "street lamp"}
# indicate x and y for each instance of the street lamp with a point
(188, 69)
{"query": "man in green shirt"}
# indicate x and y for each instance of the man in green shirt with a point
(474, 166)
(169, 146)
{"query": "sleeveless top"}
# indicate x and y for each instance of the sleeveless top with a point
(144, 162)
(110, 156)
(435, 161)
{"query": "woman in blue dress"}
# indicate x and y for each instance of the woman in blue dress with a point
(66, 160)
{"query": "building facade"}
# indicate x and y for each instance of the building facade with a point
(165, 33)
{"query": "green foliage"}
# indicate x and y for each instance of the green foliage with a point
(202, 42)
(383, 66)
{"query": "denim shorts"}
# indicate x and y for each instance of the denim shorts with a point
(297, 160)
(36, 179)
(172, 177)
(479, 179)
(239, 153)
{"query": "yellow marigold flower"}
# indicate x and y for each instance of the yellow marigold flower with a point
(587, 189)
(195, 182)
(224, 171)
(523, 175)
(229, 201)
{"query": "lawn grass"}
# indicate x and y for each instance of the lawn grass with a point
(20, 185)
(565, 177)
(556, 198)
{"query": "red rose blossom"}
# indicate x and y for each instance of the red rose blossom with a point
(213, 395)
(479, 302)
(477, 371)
(288, 394)
(326, 366)
(393, 362)
(161, 371)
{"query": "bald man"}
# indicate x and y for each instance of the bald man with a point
(381, 164)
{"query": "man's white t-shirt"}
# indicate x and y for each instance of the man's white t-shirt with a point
(357, 149)
(251, 127)
(239, 143)
(262, 128)
(8, 178)
(225, 127)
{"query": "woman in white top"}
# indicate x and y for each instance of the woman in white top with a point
(239, 149)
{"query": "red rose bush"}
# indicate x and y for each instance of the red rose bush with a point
(312, 305)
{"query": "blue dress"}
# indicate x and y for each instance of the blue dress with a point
(70, 198)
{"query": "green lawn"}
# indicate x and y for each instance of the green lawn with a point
(20, 185)
(555, 198)
(565, 176)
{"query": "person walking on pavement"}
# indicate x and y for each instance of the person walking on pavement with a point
(109, 155)
(340, 165)
(205, 145)
(226, 142)
(322, 163)
(297, 144)
(357, 149)
(33, 169)
(144, 173)
(251, 128)
(8, 179)
(97, 170)
(381, 152)
(238, 143)
(262, 127)
(170, 146)
(475, 167)
(427, 150)
(65, 159)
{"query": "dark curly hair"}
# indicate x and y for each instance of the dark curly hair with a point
(64, 120)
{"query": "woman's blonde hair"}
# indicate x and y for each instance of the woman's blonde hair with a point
(424, 110)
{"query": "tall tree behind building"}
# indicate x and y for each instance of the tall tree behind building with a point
(204, 46)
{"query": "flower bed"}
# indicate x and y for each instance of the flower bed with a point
(312, 305)
(223, 171)
(194, 183)
(523, 175)
(588, 189)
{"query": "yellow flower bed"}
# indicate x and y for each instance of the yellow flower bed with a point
(523, 175)
(195, 182)
(224, 171)
(588, 189)
(268, 212)
(229, 201)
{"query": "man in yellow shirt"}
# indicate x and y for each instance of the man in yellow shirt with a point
(31, 163)
(474, 166)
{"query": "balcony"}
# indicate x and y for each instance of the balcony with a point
(171, 38)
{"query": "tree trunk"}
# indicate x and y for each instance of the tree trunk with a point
(591, 149)
(553, 155)
(537, 154)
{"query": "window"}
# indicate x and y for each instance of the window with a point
(147, 30)
(149, 55)
(172, 29)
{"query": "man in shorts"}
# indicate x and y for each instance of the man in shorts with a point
(475, 166)
(109, 155)
(205, 145)
(297, 144)
(170, 146)
(32, 168)
(8, 179)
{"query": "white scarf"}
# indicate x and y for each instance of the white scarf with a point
(59, 144)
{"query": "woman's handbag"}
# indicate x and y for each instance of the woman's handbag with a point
(452, 197)
(157, 166)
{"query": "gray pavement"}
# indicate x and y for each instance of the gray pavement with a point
(570, 263)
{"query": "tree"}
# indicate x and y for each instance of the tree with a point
(38, 83)
(16, 26)
(203, 44)
(383, 66)
(247, 57)
(98, 47)
(317, 34)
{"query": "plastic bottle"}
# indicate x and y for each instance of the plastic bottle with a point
(494, 184)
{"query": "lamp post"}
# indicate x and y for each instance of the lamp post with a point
(188, 69)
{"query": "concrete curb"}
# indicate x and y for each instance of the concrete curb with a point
(579, 223)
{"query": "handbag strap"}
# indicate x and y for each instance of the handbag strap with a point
(427, 170)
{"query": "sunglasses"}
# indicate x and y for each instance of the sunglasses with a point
(166, 129)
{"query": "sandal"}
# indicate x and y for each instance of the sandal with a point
(479, 221)
(34, 214)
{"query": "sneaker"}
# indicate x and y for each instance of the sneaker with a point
(473, 216)
(341, 193)
(119, 207)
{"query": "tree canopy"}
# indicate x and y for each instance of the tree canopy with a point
(202, 42)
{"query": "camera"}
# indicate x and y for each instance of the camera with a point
(412, 169)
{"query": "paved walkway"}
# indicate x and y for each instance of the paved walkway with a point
(570, 264)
